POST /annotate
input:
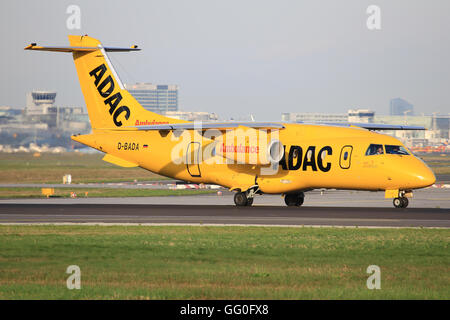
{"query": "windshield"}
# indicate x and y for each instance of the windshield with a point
(396, 150)
(374, 149)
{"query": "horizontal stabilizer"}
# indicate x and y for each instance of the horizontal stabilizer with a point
(118, 161)
(33, 46)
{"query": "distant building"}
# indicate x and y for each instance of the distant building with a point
(400, 107)
(8, 114)
(159, 98)
(314, 117)
(73, 118)
(360, 116)
(437, 133)
(437, 128)
(192, 116)
(41, 111)
(441, 126)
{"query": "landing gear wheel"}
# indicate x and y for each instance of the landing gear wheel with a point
(401, 202)
(405, 202)
(240, 199)
(249, 202)
(294, 199)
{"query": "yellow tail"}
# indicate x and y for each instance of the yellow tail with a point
(109, 105)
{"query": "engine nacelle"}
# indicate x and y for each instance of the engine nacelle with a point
(250, 146)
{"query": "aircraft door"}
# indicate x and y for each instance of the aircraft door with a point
(192, 159)
(346, 155)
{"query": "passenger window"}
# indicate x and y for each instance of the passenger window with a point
(345, 155)
(396, 150)
(374, 149)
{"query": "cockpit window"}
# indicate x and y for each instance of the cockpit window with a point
(396, 150)
(374, 149)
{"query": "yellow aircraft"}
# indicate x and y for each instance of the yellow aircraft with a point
(248, 158)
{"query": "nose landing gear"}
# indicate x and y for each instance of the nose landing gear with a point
(401, 202)
(400, 197)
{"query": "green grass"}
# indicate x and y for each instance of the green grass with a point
(119, 262)
(14, 193)
(50, 168)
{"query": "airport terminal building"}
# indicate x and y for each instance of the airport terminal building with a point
(438, 126)
(358, 115)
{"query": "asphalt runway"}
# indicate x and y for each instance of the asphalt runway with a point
(224, 215)
(425, 198)
(428, 208)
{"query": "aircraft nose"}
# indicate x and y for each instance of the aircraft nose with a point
(425, 177)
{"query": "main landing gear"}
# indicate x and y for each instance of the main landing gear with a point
(241, 200)
(294, 199)
(401, 202)
(245, 199)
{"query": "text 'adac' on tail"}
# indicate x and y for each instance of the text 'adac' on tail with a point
(109, 105)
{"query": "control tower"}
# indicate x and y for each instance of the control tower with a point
(43, 98)
(41, 107)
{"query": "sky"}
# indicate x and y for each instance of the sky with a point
(237, 58)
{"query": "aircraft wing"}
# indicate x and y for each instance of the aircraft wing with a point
(262, 125)
(209, 125)
(372, 126)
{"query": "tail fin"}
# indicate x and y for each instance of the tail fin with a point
(109, 105)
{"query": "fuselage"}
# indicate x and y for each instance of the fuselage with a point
(315, 156)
